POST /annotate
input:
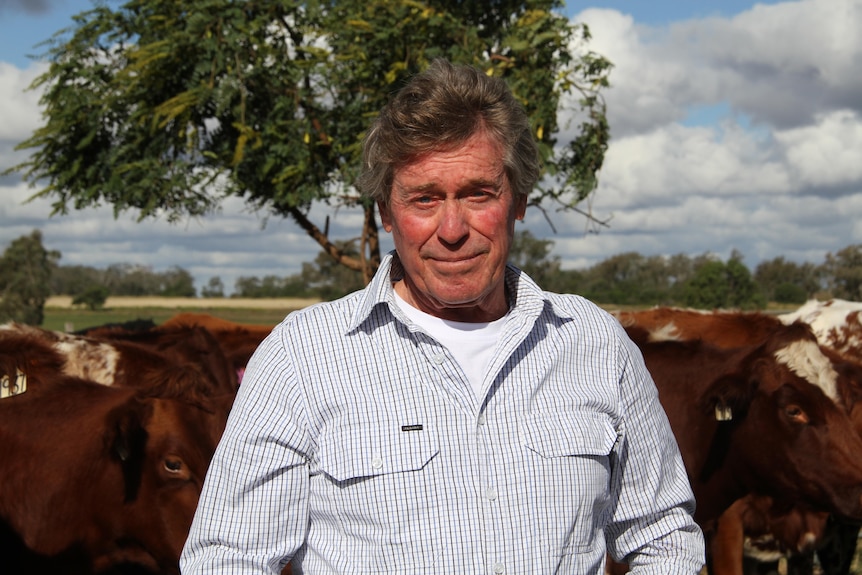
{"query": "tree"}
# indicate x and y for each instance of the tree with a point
(74, 279)
(272, 286)
(93, 297)
(167, 109)
(214, 288)
(532, 256)
(716, 284)
(177, 282)
(25, 279)
(132, 280)
(629, 278)
(787, 282)
(329, 280)
(842, 272)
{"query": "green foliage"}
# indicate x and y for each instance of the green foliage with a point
(271, 286)
(74, 279)
(842, 273)
(25, 273)
(214, 288)
(787, 282)
(532, 255)
(169, 107)
(329, 281)
(177, 282)
(789, 293)
(123, 280)
(719, 285)
(93, 298)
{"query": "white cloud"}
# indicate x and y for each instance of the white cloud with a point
(778, 64)
(20, 112)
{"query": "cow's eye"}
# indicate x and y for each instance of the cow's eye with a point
(173, 465)
(796, 414)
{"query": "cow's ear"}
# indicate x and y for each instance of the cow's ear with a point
(728, 397)
(127, 442)
(727, 400)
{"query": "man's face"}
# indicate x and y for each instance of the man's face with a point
(452, 217)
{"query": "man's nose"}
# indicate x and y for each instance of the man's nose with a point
(453, 225)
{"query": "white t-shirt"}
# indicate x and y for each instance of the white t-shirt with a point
(472, 344)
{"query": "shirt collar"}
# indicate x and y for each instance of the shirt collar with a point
(527, 300)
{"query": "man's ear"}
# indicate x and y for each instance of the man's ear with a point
(385, 216)
(520, 207)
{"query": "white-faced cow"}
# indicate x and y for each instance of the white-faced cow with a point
(769, 527)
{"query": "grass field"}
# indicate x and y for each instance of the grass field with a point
(60, 315)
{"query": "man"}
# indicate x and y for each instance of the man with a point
(451, 417)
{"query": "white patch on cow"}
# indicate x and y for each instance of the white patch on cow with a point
(805, 359)
(667, 332)
(837, 323)
(88, 359)
(84, 358)
(808, 541)
(762, 549)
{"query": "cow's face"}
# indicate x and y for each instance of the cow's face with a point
(792, 437)
(165, 448)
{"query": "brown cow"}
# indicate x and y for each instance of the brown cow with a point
(772, 431)
(724, 329)
(769, 531)
(185, 344)
(751, 516)
(178, 357)
(97, 477)
(238, 340)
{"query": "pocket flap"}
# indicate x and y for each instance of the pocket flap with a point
(571, 433)
(376, 449)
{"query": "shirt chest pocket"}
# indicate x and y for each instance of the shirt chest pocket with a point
(364, 451)
(569, 460)
(377, 488)
(584, 433)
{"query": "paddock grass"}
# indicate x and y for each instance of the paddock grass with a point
(61, 315)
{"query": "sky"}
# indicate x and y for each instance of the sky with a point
(735, 126)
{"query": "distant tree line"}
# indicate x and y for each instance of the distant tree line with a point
(122, 280)
(29, 274)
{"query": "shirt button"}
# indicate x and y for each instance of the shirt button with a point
(482, 419)
(491, 494)
(499, 568)
(377, 462)
(439, 358)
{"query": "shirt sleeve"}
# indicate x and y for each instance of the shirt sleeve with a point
(653, 529)
(252, 514)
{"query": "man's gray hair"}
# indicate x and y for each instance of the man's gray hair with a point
(438, 110)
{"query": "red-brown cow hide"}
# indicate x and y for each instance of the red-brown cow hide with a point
(753, 515)
(94, 476)
(159, 362)
(786, 437)
(238, 340)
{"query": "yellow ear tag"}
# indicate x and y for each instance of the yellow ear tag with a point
(723, 412)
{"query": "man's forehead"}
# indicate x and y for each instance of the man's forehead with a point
(425, 182)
